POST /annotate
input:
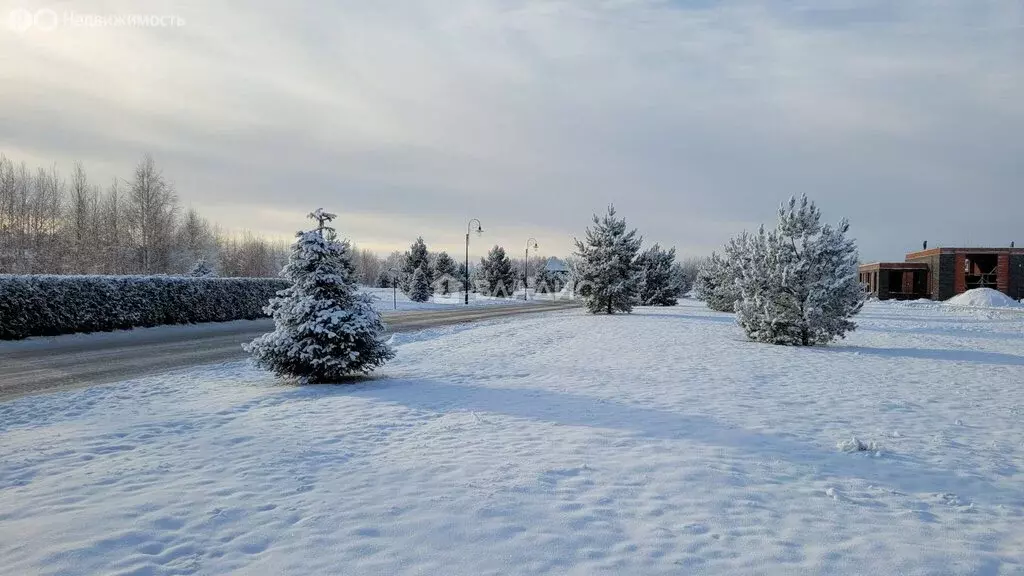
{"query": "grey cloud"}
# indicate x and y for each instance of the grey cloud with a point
(696, 119)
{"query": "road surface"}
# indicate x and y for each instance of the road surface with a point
(43, 364)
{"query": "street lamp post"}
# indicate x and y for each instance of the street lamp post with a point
(526, 263)
(394, 286)
(479, 230)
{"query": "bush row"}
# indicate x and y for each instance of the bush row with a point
(52, 305)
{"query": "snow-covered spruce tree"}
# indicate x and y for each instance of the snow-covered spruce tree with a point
(419, 287)
(446, 274)
(497, 275)
(325, 328)
(656, 282)
(799, 283)
(606, 269)
(416, 257)
(202, 270)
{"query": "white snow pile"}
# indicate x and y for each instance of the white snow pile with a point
(983, 298)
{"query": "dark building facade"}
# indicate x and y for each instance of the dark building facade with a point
(941, 273)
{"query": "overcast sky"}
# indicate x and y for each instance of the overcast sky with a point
(695, 118)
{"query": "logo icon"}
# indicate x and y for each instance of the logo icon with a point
(46, 20)
(20, 20)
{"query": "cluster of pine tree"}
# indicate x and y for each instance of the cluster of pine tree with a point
(421, 274)
(612, 275)
(496, 275)
(417, 273)
(794, 285)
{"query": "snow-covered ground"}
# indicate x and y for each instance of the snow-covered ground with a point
(388, 299)
(656, 443)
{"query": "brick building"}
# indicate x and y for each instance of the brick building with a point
(941, 273)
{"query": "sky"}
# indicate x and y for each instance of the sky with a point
(696, 119)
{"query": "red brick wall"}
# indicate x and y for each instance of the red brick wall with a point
(959, 278)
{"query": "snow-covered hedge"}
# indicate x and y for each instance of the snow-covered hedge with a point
(52, 305)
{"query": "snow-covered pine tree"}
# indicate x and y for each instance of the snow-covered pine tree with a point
(202, 270)
(446, 274)
(607, 272)
(325, 328)
(799, 283)
(550, 281)
(656, 282)
(680, 282)
(415, 257)
(497, 274)
(717, 279)
(384, 279)
(419, 286)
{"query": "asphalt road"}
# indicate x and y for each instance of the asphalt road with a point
(45, 365)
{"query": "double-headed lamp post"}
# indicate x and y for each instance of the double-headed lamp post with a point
(479, 230)
(526, 263)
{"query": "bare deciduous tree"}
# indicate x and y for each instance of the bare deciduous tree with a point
(152, 210)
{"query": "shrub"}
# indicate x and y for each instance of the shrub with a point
(53, 305)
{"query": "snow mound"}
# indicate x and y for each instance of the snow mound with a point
(855, 445)
(983, 298)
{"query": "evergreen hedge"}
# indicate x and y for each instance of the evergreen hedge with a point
(52, 305)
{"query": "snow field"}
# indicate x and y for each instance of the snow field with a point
(656, 443)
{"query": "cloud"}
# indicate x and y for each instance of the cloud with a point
(695, 118)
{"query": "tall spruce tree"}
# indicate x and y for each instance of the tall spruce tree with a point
(415, 257)
(496, 273)
(325, 328)
(799, 282)
(657, 285)
(446, 278)
(606, 270)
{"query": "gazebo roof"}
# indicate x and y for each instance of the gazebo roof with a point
(555, 265)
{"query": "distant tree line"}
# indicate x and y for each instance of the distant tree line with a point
(56, 223)
(52, 223)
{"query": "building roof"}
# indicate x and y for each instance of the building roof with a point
(954, 250)
(893, 266)
(555, 265)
